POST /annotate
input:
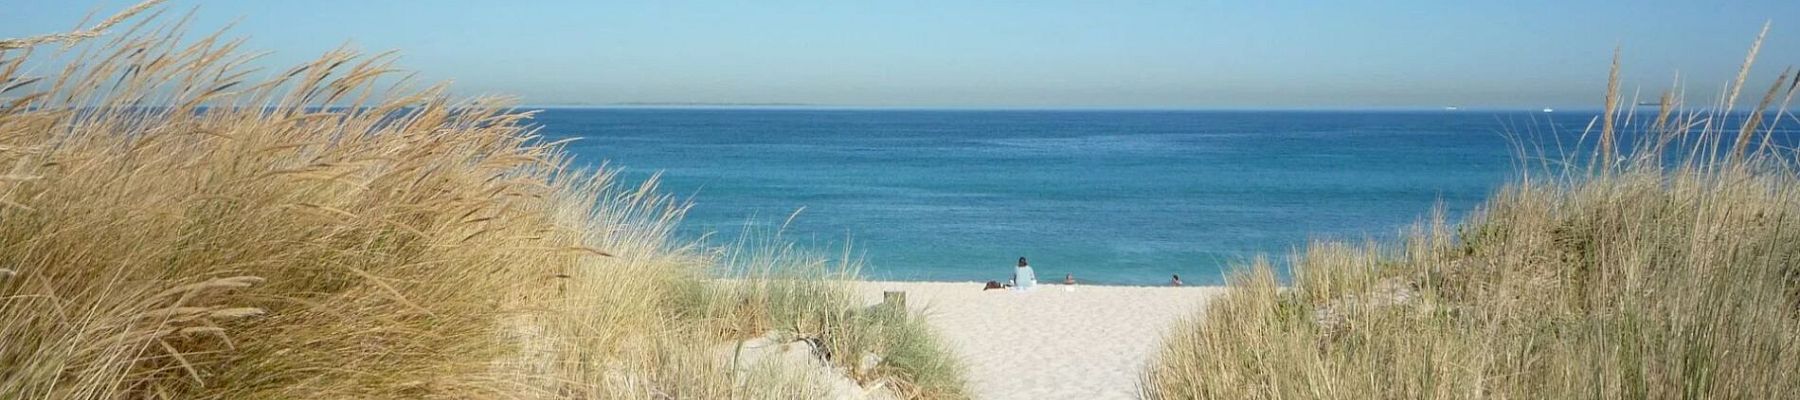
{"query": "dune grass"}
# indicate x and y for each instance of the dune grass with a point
(172, 225)
(1668, 270)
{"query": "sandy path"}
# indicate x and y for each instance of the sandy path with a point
(1089, 343)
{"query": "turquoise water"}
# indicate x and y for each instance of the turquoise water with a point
(1122, 197)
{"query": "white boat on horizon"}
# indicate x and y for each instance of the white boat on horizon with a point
(1549, 110)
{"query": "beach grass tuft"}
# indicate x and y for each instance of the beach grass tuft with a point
(1662, 269)
(172, 225)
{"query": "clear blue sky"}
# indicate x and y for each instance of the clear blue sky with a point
(958, 53)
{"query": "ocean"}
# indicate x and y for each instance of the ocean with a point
(1114, 197)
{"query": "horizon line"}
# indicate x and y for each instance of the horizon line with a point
(826, 107)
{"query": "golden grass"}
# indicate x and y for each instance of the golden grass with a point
(1644, 278)
(171, 227)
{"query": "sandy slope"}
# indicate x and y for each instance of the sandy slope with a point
(1088, 343)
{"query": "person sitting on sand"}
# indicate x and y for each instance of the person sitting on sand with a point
(1069, 279)
(1023, 277)
(1175, 281)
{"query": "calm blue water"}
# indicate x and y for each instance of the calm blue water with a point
(1125, 197)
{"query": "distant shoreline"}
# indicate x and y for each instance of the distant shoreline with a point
(1042, 284)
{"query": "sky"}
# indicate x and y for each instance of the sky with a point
(1016, 54)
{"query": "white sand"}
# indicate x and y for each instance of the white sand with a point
(1089, 343)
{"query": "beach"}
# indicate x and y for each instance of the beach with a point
(1050, 343)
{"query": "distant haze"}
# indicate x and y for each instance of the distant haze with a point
(1054, 54)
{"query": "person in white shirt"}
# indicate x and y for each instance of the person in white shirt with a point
(1023, 277)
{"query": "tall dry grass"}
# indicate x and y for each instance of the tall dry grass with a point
(1671, 270)
(814, 300)
(173, 225)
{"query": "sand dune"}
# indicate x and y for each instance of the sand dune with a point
(1089, 343)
